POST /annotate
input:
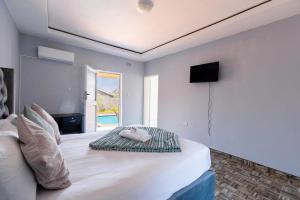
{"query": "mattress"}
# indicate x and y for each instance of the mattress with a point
(114, 175)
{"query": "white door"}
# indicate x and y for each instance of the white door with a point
(90, 100)
(150, 100)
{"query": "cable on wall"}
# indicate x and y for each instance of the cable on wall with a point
(209, 109)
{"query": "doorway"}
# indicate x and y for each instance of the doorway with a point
(150, 100)
(108, 99)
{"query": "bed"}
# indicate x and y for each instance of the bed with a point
(133, 175)
(107, 175)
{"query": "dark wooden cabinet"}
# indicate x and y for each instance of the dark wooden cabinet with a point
(70, 123)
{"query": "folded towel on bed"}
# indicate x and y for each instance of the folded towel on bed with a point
(136, 134)
(161, 141)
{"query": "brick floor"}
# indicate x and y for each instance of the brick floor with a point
(238, 179)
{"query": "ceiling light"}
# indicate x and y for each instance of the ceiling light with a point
(145, 5)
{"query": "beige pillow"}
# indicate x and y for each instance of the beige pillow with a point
(42, 154)
(48, 118)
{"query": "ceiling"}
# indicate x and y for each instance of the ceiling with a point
(116, 27)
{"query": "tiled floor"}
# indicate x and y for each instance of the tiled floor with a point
(241, 180)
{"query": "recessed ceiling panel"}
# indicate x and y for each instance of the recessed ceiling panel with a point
(118, 22)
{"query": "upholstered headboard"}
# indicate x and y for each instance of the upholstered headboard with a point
(6, 92)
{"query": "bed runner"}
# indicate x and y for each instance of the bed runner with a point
(161, 141)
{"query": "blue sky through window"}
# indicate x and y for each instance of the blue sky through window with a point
(108, 84)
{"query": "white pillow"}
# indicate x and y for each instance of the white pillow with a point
(16, 178)
(135, 125)
(13, 119)
(7, 125)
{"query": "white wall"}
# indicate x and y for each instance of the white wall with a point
(58, 87)
(256, 103)
(9, 45)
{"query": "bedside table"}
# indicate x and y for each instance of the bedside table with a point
(70, 123)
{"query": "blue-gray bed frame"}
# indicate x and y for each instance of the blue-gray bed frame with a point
(201, 189)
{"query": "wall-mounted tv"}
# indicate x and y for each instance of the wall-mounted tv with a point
(208, 72)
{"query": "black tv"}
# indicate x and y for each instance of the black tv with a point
(208, 72)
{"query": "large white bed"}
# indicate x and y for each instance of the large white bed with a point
(118, 175)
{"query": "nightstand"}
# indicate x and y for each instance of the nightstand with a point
(70, 123)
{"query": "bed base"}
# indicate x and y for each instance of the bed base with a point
(201, 189)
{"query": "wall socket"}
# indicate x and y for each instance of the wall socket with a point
(185, 123)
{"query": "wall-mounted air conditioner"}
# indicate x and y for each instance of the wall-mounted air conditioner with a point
(55, 54)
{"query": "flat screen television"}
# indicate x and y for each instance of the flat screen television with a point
(208, 72)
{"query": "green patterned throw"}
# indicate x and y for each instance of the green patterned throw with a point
(161, 141)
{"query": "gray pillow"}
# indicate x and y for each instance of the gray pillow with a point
(48, 118)
(36, 118)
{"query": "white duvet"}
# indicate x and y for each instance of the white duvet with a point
(114, 175)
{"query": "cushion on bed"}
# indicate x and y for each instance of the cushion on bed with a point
(36, 118)
(48, 118)
(16, 178)
(43, 155)
(6, 125)
(13, 119)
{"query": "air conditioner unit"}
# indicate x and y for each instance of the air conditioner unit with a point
(55, 54)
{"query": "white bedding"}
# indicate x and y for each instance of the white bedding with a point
(112, 175)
